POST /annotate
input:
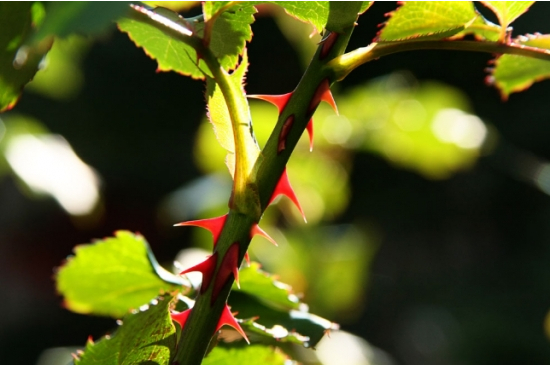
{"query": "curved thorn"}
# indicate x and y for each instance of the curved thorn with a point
(309, 129)
(326, 95)
(214, 225)
(181, 317)
(228, 319)
(284, 188)
(206, 268)
(279, 101)
(257, 231)
(247, 258)
(228, 266)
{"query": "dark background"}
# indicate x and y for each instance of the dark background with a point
(463, 272)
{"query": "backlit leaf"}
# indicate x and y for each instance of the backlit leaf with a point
(112, 276)
(434, 19)
(516, 73)
(145, 337)
(297, 326)
(508, 11)
(249, 355)
(18, 64)
(170, 54)
(262, 285)
(314, 12)
(230, 33)
(481, 29)
(219, 113)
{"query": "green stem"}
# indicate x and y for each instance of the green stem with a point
(254, 178)
(343, 65)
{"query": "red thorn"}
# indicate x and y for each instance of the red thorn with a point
(278, 100)
(229, 266)
(309, 129)
(247, 258)
(214, 225)
(207, 268)
(284, 188)
(181, 317)
(228, 319)
(323, 94)
(257, 231)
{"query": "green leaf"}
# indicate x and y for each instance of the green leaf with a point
(230, 32)
(18, 63)
(314, 12)
(516, 73)
(112, 276)
(145, 337)
(434, 19)
(248, 355)
(263, 286)
(219, 113)
(212, 8)
(297, 326)
(481, 29)
(170, 53)
(332, 15)
(508, 11)
(82, 17)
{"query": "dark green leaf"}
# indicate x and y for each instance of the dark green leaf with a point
(262, 285)
(112, 276)
(18, 64)
(516, 73)
(434, 19)
(82, 17)
(298, 326)
(248, 355)
(145, 337)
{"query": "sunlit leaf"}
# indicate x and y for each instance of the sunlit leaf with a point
(145, 337)
(81, 17)
(481, 29)
(219, 113)
(516, 73)
(170, 54)
(18, 63)
(173, 5)
(265, 287)
(230, 33)
(508, 11)
(112, 276)
(212, 8)
(297, 326)
(425, 128)
(314, 12)
(249, 355)
(433, 19)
